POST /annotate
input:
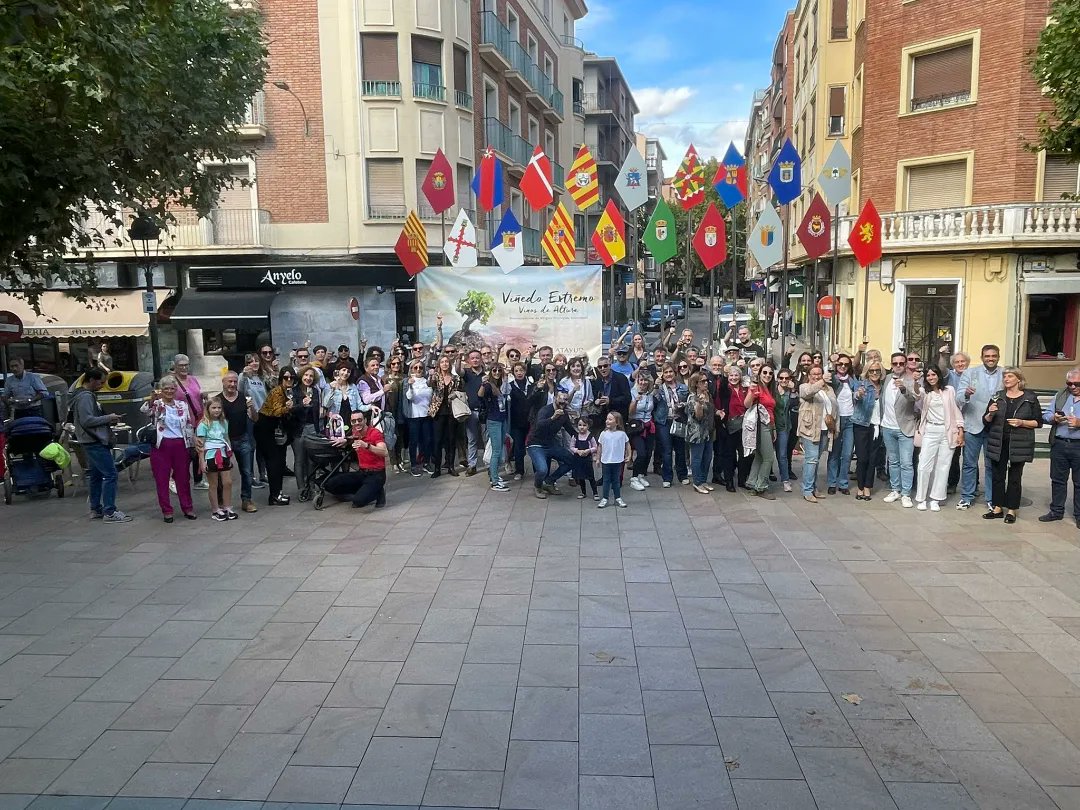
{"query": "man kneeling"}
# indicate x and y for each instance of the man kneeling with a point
(368, 484)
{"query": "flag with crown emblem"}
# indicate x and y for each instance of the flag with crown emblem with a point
(730, 181)
(535, 184)
(438, 185)
(865, 236)
(786, 175)
(632, 184)
(609, 238)
(411, 246)
(766, 240)
(659, 235)
(814, 229)
(558, 241)
(507, 247)
(710, 240)
(689, 180)
(584, 186)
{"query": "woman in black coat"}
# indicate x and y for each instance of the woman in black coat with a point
(1012, 417)
(521, 413)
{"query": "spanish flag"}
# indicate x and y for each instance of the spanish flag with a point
(411, 245)
(584, 187)
(609, 238)
(558, 241)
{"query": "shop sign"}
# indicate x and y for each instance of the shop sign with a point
(284, 276)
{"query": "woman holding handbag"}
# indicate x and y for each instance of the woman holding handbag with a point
(940, 432)
(1012, 417)
(642, 428)
(190, 391)
(273, 432)
(817, 426)
(444, 383)
(670, 418)
(761, 399)
(174, 439)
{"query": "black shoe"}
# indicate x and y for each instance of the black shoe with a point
(469, 473)
(1010, 518)
(453, 471)
(992, 515)
(289, 473)
(730, 488)
(832, 490)
(1078, 523)
(718, 481)
(168, 518)
(1050, 517)
(280, 500)
(845, 492)
(190, 516)
(435, 474)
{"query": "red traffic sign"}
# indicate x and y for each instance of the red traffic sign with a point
(11, 327)
(826, 306)
(354, 309)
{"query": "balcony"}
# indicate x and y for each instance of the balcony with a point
(572, 42)
(558, 175)
(606, 153)
(429, 92)
(223, 230)
(579, 109)
(503, 140)
(463, 100)
(381, 212)
(254, 123)
(500, 48)
(380, 87)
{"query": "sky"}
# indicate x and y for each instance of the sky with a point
(692, 66)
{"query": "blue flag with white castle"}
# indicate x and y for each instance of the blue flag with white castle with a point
(507, 247)
(786, 175)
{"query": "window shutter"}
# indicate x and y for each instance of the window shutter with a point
(239, 197)
(427, 51)
(937, 185)
(386, 189)
(463, 190)
(461, 71)
(1059, 177)
(941, 74)
(836, 100)
(379, 57)
(422, 205)
(839, 19)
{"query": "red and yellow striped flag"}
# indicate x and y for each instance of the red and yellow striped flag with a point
(584, 185)
(411, 247)
(558, 241)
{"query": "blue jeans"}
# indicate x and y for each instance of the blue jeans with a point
(245, 459)
(612, 477)
(840, 457)
(969, 479)
(662, 448)
(782, 439)
(700, 460)
(541, 457)
(496, 431)
(811, 455)
(102, 477)
(421, 439)
(900, 449)
(474, 437)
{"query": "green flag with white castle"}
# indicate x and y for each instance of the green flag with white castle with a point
(659, 234)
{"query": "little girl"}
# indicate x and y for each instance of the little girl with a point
(614, 452)
(583, 448)
(215, 458)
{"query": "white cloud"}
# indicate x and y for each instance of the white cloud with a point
(599, 15)
(660, 103)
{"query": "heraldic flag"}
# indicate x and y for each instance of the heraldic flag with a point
(609, 237)
(865, 236)
(659, 235)
(631, 183)
(460, 247)
(536, 182)
(786, 175)
(689, 180)
(507, 246)
(815, 227)
(558, 241)
(438, 185)
(487, 185)
(710, 241)
(584, 187)
(766, 240)
(411, 246)
(730, 181)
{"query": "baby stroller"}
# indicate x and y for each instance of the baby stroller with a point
(323, 460)
(26, 473)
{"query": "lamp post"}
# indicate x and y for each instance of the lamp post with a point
(303, 111)
(145, 237)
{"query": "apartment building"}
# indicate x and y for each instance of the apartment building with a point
(655, 180)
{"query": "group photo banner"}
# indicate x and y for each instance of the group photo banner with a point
(538, 306)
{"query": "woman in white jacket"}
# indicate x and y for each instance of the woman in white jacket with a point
(940, 432)
(421, 429)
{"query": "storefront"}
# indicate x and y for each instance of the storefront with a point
(1050, 315)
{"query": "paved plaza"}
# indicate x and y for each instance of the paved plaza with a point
(470, 649)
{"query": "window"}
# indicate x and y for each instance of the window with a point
(1061, 178)
(462, 189)
(491, 100)
(513, 24)
(385, 189)
(547, 10)
(857, 100)
(534, 132)
(533, 49)
(549, 145)
(514, 119)
(935, 185)
(806, 54)
(813, 28)
(1051, 333)
(549, 67)
(940, 74)
(812, 122)
(839, 21)
(580, 239)
(379, 64)
(837, 103)
(427, 69)
(462, 85)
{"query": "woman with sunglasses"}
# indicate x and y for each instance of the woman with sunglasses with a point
(544, 390)
(844, 383)
(393, 396)
(729, 406)
(670, 418)
(251, 386)
(421, 429)
(273, 432)
(1012, 417)
(700, 427)
(341, 397)
(866, 428)
(817, 427)
(761, 395)
(494, 395)
(268, 366)
(786, 415)
(521, 391)
(940, 432)
(444, 382)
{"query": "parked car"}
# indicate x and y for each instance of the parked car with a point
(695, 302)
(660, 318)
(635, 329)
(677, 308)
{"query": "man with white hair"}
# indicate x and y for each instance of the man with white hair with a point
(1063, 416)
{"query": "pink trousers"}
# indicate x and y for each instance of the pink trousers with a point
(171, 459)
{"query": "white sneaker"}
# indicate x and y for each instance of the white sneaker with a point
(685, 482)
(934, 506)
(602, 504)
(620, 502)
(201, 485)
(787, 486)
(921, 506)
(635, 483)
(906, 502)
(172, 486)
(666, 485)
(644, 481)
(892, 497)
(963, 506)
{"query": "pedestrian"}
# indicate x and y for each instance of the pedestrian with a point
(190, 391)
(700, 427)
(670, 418)
(240, 413)
(787, 414)
(866, 428)
(584, 449)
(367, 484)
(95, 439)
(984, 382)
(898, 429)
(760, 404)
(1012, 417)
(417, 402)
(817, 427)
(274, 432)
(613, 449)
(306, 420)
(642, 429)
(940, 432)
(1063, 416)
(844, 383)
(521, 392)
(494, 395)
(215, 459)
(545, 444)
(252, 387)
(174, 444)
(444, 382)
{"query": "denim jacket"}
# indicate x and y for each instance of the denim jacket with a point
(864, 408)
(661, 415)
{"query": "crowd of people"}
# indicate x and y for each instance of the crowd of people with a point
(665, 414)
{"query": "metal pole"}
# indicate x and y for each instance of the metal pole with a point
(734, 269)
(784, 279)
(614, 325)
(155, 348)
(866, 296)
(689, 267)
(834, 325)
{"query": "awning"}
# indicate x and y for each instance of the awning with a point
(236, 309)
(1051, 284)
(118, 314)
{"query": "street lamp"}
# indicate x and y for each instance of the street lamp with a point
(145, 236)
(282, 85)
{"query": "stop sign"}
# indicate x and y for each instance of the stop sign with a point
(354, 309)
(826, 305)
(11, 327)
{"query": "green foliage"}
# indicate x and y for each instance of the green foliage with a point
(475, 306)
(756, 326)
(1056, 66)
(107, 105)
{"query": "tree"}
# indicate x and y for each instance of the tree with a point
(475, 306)
(1056, 66)
(113, 106)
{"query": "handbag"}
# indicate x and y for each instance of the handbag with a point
(459, 406)
(281, 436)
(635, 427)
(678, 429)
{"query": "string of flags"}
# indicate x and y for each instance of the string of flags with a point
(765, 240)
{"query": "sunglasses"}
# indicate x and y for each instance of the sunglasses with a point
(1072, 384)
(766, 373)
(549, 368)
(288, 377)
(913, 359)
(875, 371)
(683, 365)
(603, 365)
(267, 351)
(898, 362)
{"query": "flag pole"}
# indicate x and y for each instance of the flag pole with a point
(734, 269)
(784, 280)
(834, 325)
(689, 262)
(866, 295)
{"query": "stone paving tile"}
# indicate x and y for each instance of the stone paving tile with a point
(756, 748)
(249, 768)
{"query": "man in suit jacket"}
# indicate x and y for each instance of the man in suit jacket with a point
(612, 390)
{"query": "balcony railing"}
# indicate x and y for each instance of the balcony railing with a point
(501, 138)
(597, 102)
(579, 108)
(494, 32)
(254, 123)
(943, 100)
(386, 211)
(605, 153)
(530, 241)
(572, 42)
(558, 175)
(463, 99)
(429, 92)
(222, 227)
(380, 87)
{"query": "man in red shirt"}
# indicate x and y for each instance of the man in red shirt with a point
(368, 484)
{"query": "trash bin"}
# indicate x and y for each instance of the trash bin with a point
(123, 393)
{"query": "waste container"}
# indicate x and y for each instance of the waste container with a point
(123, 393)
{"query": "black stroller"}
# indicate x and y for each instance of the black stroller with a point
(323, 461)
(26, 472)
